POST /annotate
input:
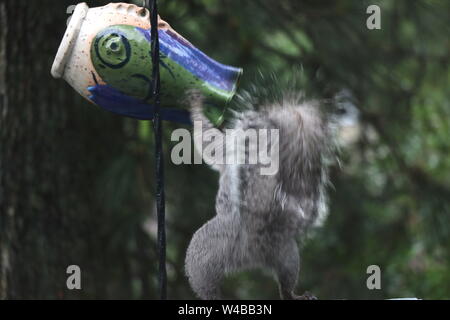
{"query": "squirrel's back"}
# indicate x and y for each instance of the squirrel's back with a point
(298, 141)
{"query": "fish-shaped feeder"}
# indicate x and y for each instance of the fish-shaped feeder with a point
(105, 56)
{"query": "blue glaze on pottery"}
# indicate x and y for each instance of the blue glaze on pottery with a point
(218, 75)
(115, 101)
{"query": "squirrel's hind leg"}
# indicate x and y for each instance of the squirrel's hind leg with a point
(285, 263)
(206, 259)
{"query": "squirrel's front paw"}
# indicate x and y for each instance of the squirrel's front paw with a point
(194, 98)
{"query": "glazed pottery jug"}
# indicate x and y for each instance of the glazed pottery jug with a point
(106, 56)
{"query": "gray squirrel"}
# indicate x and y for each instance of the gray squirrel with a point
(259, 217)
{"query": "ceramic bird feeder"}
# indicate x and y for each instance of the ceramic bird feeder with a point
(105, 56)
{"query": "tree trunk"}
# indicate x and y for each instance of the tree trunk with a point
(48, 212)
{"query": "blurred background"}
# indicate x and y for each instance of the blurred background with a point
(77, 183)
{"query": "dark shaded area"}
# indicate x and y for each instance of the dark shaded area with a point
(77, 183)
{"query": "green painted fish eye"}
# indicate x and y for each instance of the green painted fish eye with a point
(114, 45)
(121, 56)
(112, 49)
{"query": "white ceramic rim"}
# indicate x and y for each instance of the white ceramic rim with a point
(69, 40)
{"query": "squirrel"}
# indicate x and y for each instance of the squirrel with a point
(259, 217)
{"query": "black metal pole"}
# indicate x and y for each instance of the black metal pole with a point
(157, 127)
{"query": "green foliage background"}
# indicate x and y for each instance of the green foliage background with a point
(390, 204)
